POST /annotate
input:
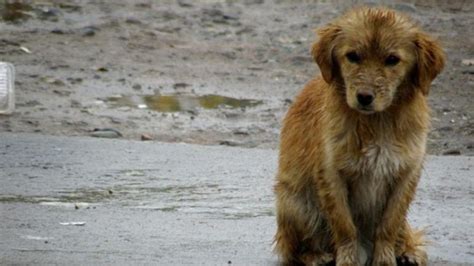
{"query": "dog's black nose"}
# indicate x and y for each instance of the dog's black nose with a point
(365, 98)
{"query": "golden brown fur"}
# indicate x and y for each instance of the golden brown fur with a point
(348, 173)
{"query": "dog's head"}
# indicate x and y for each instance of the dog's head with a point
(374, 54)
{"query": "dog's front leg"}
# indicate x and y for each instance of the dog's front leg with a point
(394, 217)
(332, 194)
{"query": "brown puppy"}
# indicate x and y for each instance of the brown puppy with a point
(353, 144)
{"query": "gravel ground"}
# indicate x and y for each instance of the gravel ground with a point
(207, 72)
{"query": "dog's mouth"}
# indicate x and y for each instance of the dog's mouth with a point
(366, 110)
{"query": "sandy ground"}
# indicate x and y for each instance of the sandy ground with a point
(163, 68)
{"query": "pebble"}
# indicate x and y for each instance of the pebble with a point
(241, 132)
(180, 85)
(133, 21)
(146, 137)
(468, 70)
(88, 31)
(467, 62)
(106, 133)
(229, 143)
(452, 152)
(47, 13)
(220, 17)
(57, 31)
(185, 3)
(137, 87)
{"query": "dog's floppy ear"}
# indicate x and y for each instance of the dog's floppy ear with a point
(322, 51)
(430, 61)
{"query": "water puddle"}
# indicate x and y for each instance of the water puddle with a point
(79, 198)
(177, 103)
(20, 11)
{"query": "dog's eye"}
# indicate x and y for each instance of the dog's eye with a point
(353, 57)
(392, 60)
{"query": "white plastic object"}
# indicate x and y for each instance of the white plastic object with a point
(7, 88)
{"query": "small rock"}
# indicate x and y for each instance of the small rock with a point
(48, 13)
(220, 17)
(102, 69)
(137, 87)
(193, 112)
(185, 3)
(146, 137)
(106, 133)
(230, 143)
(74, 80)
(452, 152)
(468, 70)
(143, 5)
(88, 31)
(57, 31)
(73, 223)
(70, 7)
(253, 2)
(467, 62)
(133, 21)
(241, 132)
(180, 85)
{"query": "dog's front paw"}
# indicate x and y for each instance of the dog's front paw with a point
(347, 255)
(417, 257)
(384, 255)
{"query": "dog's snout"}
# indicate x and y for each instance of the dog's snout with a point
(365, 98)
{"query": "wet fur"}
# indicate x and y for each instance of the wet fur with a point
(346, 179)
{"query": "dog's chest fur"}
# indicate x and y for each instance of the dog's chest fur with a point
(373, 173)
(370, 169)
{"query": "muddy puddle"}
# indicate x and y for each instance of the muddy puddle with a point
(207, 198)
(178, 103)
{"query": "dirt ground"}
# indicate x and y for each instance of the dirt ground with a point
(209, 72)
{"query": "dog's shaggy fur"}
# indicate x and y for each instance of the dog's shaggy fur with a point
(349, 167)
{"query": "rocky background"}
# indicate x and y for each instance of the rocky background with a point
(209, 72)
